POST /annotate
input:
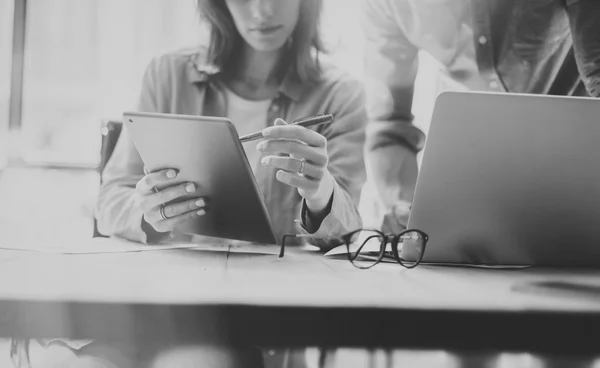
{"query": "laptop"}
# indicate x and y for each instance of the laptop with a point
(511, 179)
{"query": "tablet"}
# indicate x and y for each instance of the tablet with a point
(206, 151)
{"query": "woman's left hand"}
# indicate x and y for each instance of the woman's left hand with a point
(304, 165)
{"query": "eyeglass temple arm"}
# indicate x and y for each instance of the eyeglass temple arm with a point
(285, 237)
(282, 247)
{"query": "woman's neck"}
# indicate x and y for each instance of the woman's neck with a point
(256, 75)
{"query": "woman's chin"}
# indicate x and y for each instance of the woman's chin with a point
(266, 45)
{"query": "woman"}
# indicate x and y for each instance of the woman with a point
(260, 70)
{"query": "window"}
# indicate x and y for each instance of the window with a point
(343, 36)
(84, 62)
(6, 25)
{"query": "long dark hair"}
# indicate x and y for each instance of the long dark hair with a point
(304, 49)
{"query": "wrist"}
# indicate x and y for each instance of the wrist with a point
(320, 200)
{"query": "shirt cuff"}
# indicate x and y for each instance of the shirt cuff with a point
(310, 222)
(332, 225)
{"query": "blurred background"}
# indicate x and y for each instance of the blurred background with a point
(66, 66)
(83, 62)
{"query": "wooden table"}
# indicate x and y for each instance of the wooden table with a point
(303, 299)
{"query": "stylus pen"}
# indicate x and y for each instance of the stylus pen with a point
(305, 122)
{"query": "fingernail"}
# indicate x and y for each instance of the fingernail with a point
(266, 132)
(200, 203)
(280, 121)
(201, 213)
(265, 161)
(282, 176)
(260, 146)
(190, 188)
(171, 174)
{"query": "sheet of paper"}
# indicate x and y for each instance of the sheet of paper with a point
(91, 246)
(369, 246)
(372, 249)
(117, 245)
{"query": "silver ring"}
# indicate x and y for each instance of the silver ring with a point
(302, 163)
(162, 212)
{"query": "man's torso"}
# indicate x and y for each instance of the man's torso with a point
(497, 45)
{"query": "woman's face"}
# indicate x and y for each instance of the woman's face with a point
(265, 25)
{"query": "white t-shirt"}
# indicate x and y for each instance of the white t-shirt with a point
(248, 117)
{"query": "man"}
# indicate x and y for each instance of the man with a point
(521, 46)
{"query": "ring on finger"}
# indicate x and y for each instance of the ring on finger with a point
(162, 212)
(302, 164)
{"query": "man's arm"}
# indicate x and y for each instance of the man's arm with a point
(390, 69)
(584, 17)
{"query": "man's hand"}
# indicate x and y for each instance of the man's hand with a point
(396, 219)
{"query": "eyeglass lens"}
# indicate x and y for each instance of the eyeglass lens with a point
(411, 246)
(365, 249)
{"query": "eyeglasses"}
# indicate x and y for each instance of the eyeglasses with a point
(367, 247)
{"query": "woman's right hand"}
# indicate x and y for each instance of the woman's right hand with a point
(151, 201)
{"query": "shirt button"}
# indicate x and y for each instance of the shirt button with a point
(494, 84)
(482, 40)
(271, 352)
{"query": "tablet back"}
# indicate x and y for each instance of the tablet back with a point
(207, 152)
(511, 179)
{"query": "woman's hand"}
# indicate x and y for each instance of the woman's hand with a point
(158, 212)
(304, 163)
